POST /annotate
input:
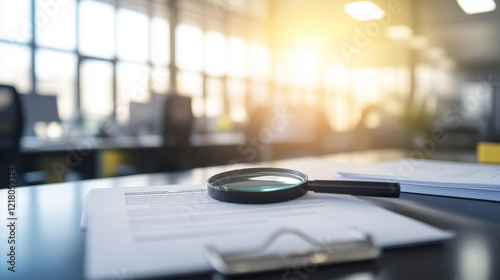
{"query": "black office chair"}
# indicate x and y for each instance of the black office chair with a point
(178, 121)
(176, 118)
(145, 118)
(11, 128)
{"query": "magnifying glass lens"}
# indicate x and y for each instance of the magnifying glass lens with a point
(269, 185)
(257, 185)
(257, 181)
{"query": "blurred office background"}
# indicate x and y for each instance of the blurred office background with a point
(118, 87)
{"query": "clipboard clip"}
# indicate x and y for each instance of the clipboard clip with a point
(257, 260)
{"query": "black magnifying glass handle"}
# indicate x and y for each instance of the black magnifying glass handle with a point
(382, 189)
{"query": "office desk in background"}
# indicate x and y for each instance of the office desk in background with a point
(51, 244)
(97, 157)
(84, 154)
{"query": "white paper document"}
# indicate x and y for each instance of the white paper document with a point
(467, 180)
(155, 231)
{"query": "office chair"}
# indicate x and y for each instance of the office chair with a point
(176, 119)
(32, 104)
(145, 119)
(177, 125)
(11, 128)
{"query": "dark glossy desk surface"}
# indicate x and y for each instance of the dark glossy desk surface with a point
(50, 244)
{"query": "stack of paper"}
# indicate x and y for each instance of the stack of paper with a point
(467, 180)
(162, 231)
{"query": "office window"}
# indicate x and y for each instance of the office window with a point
(335, 78)
(160, 55)
(337, 86)
(402, 79)
(237, 104)
(96, 29)
(431, 84)
(56, 24)
(131, 39)
(350, 91)
(160, 79)
(215, 97)
(387, 84)
(132, 86)
(191, 84)
(215, 53)
(304, 67)
(365, 85)
(214, 103)
(359, 95)
(142, 45)
(15, 66)
(96, 88)
(260, 62)
(189, 46)
(237, 57)
(132, 35)
(339, 112)
(424, 82)
(160, 41)
(15, 20)
(229, 66)
(56, 75)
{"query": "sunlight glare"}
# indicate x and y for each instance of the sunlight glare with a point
(477, 6)
(160, 41)
(237, 60)
(261, 62)
(215, 49)
(364, 10)
(96, 29)
(305, 69)
(189, 42)
(132, 35)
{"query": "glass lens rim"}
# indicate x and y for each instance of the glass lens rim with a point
(212, 181)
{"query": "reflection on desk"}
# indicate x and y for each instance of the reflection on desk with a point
(51, 242)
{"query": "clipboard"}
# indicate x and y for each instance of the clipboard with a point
(257, 260)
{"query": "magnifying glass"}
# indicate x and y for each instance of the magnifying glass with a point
(269, 185)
